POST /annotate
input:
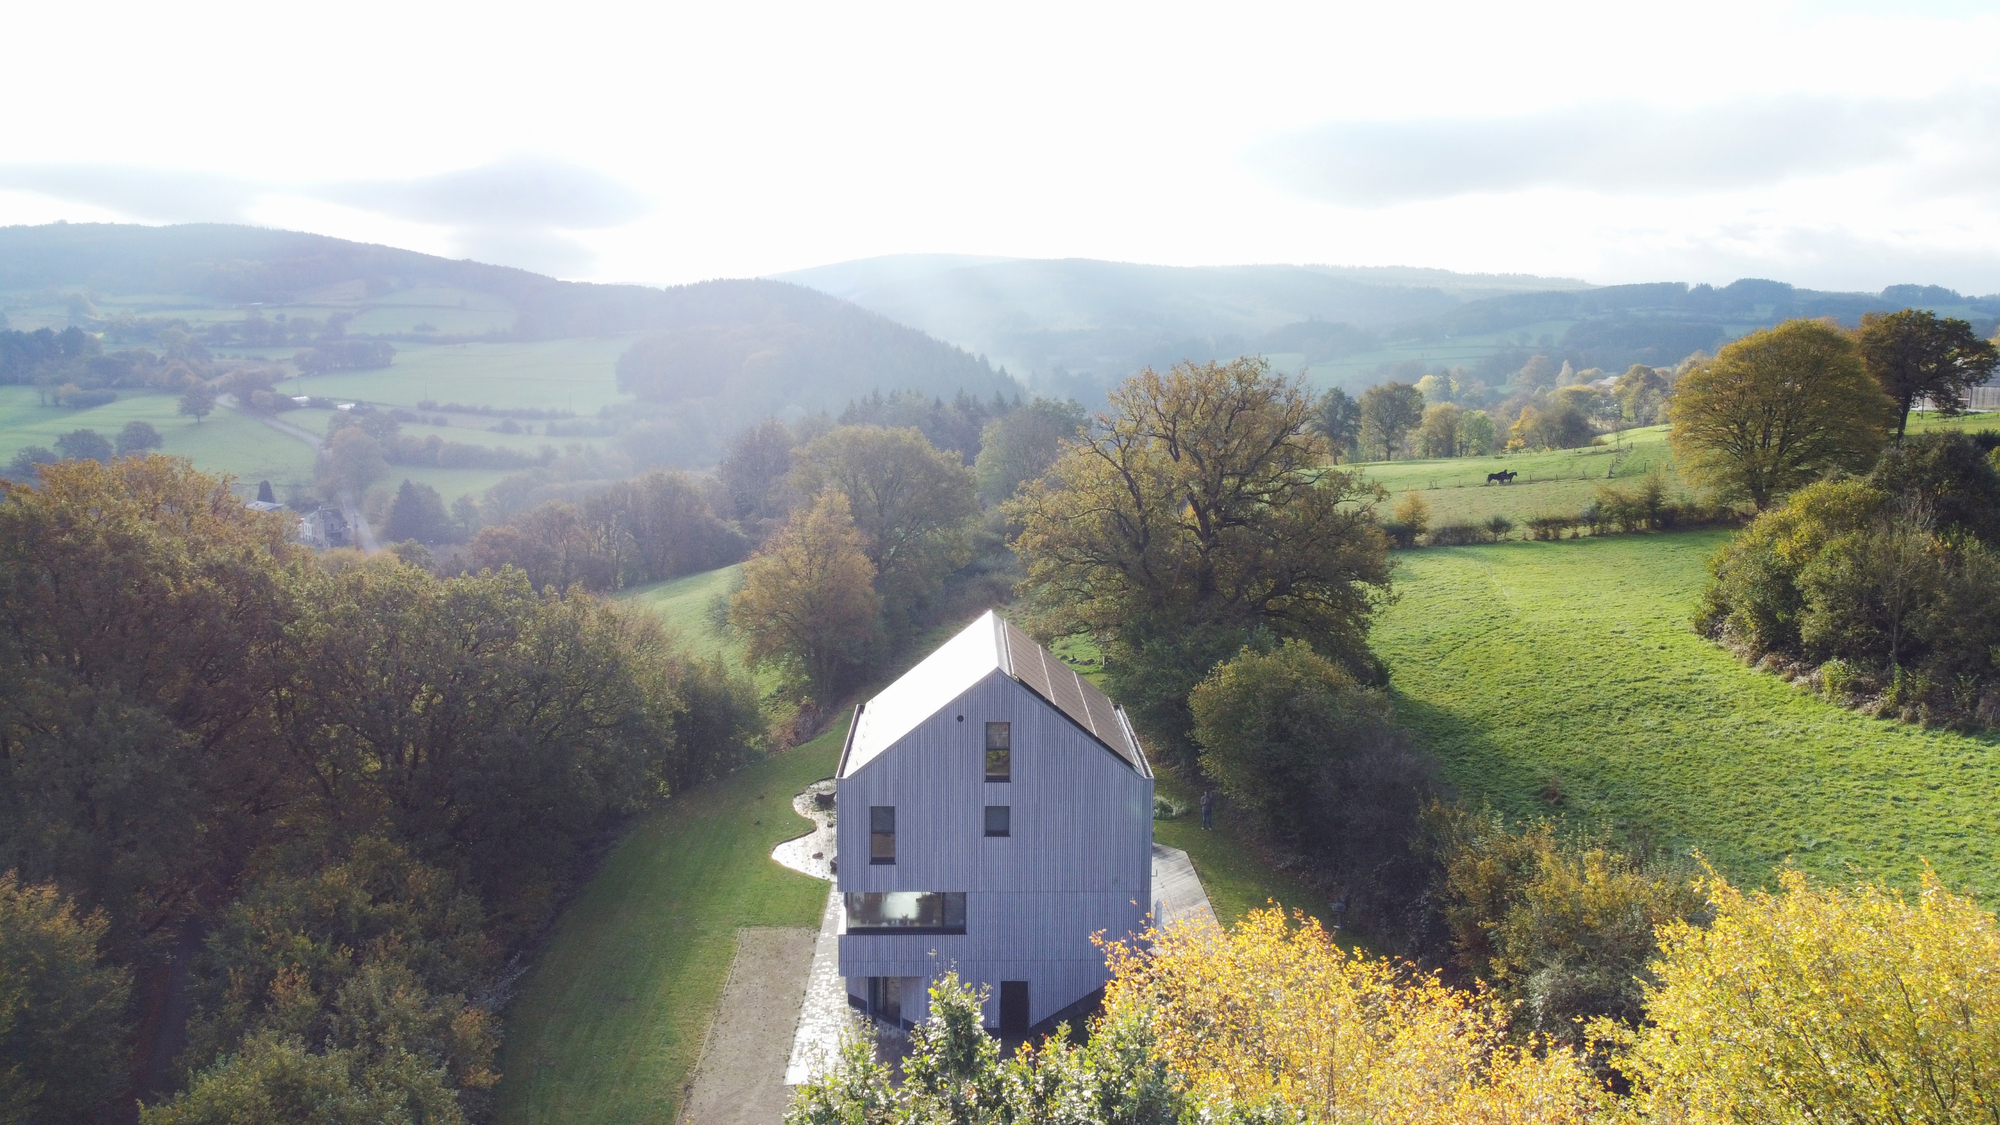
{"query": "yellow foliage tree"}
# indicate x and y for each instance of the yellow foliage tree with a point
(1818, 1004)
(1273, 1021)
(808, 602)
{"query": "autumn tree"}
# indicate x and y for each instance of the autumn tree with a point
(1276, 1021)
(1389, 411)
(353, 461)
(1200, 517)
(1813, 1004)
(1642, 394)
(1917, 355)
(1476, 435)
(1437, 434)
(808, 603)
(1777, 409)
(62, 1010)
(1022, 444)
(910, 501)
(198, 401)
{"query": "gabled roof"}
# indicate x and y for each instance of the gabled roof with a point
(989, 644)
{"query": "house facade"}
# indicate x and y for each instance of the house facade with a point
(995, 811)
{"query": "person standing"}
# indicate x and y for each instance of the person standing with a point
(1207, 809)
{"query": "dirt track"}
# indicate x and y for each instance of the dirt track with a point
(741, 1078)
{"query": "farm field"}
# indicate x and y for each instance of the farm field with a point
(610, 1022)
(576, 375)
(1563, 679)
(224, 442)
(1555, 482)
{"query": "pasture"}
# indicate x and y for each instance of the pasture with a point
(1557, 482)
(610, 1022)
(1564, 680)
(224, 442)
(577, 375)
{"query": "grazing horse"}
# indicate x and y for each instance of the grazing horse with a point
(1504, 478)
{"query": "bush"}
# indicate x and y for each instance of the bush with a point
(1317, 762)
(1461, 534)
(1818, 1004)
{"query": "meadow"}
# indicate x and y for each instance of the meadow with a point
(1556, 482)
(224, 442)
(1564, 680)
(610, 1022)
(577, 375)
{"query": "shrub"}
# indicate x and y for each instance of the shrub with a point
(1460, 534)
(1819, 1004)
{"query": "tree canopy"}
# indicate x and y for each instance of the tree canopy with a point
(1202, 514)
(1776, 410)
(1917, 355)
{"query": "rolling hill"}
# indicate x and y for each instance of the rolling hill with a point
(1075, 326)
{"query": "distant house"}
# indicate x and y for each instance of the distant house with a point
(263, 506)
(995, 812)
(324, 528)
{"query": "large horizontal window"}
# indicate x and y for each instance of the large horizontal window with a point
(905, 912)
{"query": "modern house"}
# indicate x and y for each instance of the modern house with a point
(995, 813)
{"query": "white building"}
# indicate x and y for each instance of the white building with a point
(995, 813)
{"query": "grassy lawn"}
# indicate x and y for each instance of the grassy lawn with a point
(610, 1024)
(1538, 669)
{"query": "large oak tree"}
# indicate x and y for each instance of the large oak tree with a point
(1203, 516)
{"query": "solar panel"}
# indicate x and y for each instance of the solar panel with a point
(1074, 696)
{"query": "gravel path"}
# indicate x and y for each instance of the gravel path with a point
(741, 1079)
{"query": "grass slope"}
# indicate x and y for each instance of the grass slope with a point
(686, 605)
(1525, 662)
(609, 1026)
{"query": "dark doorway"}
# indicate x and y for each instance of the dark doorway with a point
(885, 999)
(1014, 1009)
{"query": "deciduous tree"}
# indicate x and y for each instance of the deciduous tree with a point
(808, 603)
(1916, 354)
(910, 501)
(417, 513)
(1814, 1004)
(1201, 516)
(198, 401)
(1389, 411)
(62, 1010)
(1777, 409)
(1021, 445)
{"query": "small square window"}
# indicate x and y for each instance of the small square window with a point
(999, 820)
(881, 834)
(999, 752)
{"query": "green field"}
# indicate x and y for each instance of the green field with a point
(224, 442)
(1538, 670)
(610, 1023)
(1557, 482)
(687, 605)
(575, 375)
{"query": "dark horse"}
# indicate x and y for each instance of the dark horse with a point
(1504, 478)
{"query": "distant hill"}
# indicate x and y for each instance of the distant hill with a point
(1078, 322)
(732, 350)
(1076, 325)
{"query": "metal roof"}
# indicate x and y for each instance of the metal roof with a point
(991, 643)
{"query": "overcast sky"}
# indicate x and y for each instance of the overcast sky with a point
(1842, 145)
